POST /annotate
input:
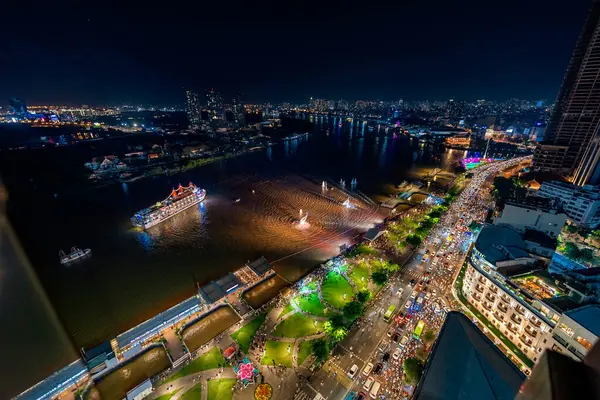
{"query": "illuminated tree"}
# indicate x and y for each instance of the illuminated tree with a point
(364, 295)
(414, 240)
(320, 349)
(353, 309)
(379, 277)
(413, 369)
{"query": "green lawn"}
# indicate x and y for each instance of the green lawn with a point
(209, 360)
(169, 395)
(220, 389)
(362, 249)
(278, 351)
(298, 325)
(334, 287)
(287, 309)
(193, 394)
(312, 305)
(245, 334)
(360, 276)
(304, 351)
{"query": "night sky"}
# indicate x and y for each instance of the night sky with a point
(287, 51)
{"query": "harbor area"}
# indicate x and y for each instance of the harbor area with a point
(115, 369)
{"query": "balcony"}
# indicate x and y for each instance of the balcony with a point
(502, 308)
(535, 322)
(516, 318)
(494, 289)
(487, 306)
(526, 340)
(512, 328)
(560, 340)
(498, 316)
(477, 296)
(530, 331)
(490, 297)
(479, 288)
(505, 299)
(520, 310)
(481, 279)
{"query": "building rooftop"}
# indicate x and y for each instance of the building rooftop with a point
(561, 304)
(228, 283)
(373, 234)
(212, 292)
(49, 386)
(587, 191)
(465, 364)
(536, 236)
(539, 284)
(260, 266)
(500, 243)
(150, 327)
(588, 317)
(538, 203)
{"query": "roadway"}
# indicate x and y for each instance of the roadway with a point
(365, 339)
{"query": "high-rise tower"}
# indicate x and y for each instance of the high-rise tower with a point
(193, 107)
(576, 117)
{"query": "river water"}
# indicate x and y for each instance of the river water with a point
(132, 275)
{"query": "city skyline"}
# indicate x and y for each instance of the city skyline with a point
(276, 55)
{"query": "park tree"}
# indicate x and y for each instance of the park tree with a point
(391, 268)
(586, 255)
(337, 321)
(364, 295)
(428, 337)
(413, 368)
(320, 348)
(353, 309)
(421, 353)
(414, 240)
(571, 229)
(379, 277)
(572, 251)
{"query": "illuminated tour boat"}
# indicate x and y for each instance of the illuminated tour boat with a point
(180, 199)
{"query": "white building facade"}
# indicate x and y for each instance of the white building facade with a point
(580, 203)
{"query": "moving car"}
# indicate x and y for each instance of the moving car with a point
(378, 368)
(396, 337)
(390, 332)
(352, 371)
(367, 370)
(361, 396)
(396, 354)
(385, 357)
(404, 341)
(368, 383)
(374, 390)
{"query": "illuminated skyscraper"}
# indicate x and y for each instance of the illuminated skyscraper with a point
(214, 102)
(576, 117)
(193, 107)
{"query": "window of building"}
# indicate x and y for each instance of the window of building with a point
(567, 330)
(584, 343)
(545, 340)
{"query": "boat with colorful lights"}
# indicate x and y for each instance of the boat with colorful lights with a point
(75, 254)
(179, 200)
